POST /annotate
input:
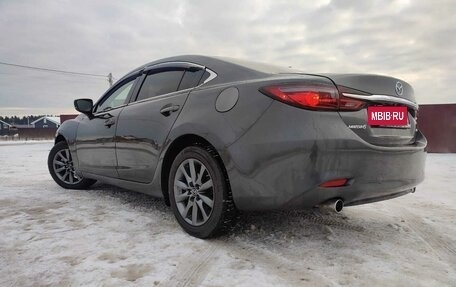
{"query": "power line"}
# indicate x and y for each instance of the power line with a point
(53, 70)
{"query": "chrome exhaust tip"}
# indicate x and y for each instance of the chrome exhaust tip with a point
(334, 204)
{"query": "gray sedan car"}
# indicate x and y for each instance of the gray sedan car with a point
(213, 136)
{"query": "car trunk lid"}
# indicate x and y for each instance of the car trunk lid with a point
(378, 90)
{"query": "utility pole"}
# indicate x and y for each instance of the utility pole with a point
(110, 79)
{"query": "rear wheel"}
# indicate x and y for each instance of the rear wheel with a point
(199, 193)
(60, 165)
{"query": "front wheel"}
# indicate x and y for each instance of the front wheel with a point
(199, 193)
(60, 165)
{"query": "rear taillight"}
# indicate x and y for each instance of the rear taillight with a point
(314, 97)
(334, 183)
(348, 104)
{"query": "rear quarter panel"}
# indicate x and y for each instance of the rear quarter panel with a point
(223, 130)
(200, 117)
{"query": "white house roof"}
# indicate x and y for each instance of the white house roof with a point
(5, 123)
(55, 120)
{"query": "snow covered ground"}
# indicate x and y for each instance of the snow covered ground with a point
(20, 142)
(112, 237)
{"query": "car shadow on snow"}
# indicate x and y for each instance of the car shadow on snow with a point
(130, 198)
(266, 226)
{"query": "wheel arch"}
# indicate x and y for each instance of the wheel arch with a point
(67, 132)
(176, 147)
(59, 138)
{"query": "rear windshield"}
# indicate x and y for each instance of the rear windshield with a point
(261, 67)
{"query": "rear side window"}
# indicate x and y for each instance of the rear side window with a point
(204, 77)
(190, 79)
(160, 84)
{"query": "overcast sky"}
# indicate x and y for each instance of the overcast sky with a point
(411, 40)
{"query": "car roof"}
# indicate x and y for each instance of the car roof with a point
(214, 62)
(227, 69)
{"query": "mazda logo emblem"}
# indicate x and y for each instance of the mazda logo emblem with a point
(399, 89)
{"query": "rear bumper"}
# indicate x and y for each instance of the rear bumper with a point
(281, 161)
(374, 176)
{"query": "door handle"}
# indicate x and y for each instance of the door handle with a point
(108, 123)
(168, 109)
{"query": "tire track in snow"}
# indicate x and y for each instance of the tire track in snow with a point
(330, 220)
(192, 272)
(444, 249)
(294, 273)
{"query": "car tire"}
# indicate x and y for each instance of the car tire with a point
(205, 189)
(60, 165)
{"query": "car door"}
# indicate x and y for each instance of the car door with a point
(144, 124)
(95, 145)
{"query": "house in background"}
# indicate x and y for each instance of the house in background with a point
(4, 128)
(46, 122)
(42, 128)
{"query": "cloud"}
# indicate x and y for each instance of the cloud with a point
(411, 40)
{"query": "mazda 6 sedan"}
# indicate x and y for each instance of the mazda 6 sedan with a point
(213, 136)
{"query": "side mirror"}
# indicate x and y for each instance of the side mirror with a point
(84, 106)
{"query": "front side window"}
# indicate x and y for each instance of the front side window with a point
(159, 84)
(117, 98)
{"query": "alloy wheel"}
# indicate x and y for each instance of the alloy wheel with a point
(193, 192)
(63, 167)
